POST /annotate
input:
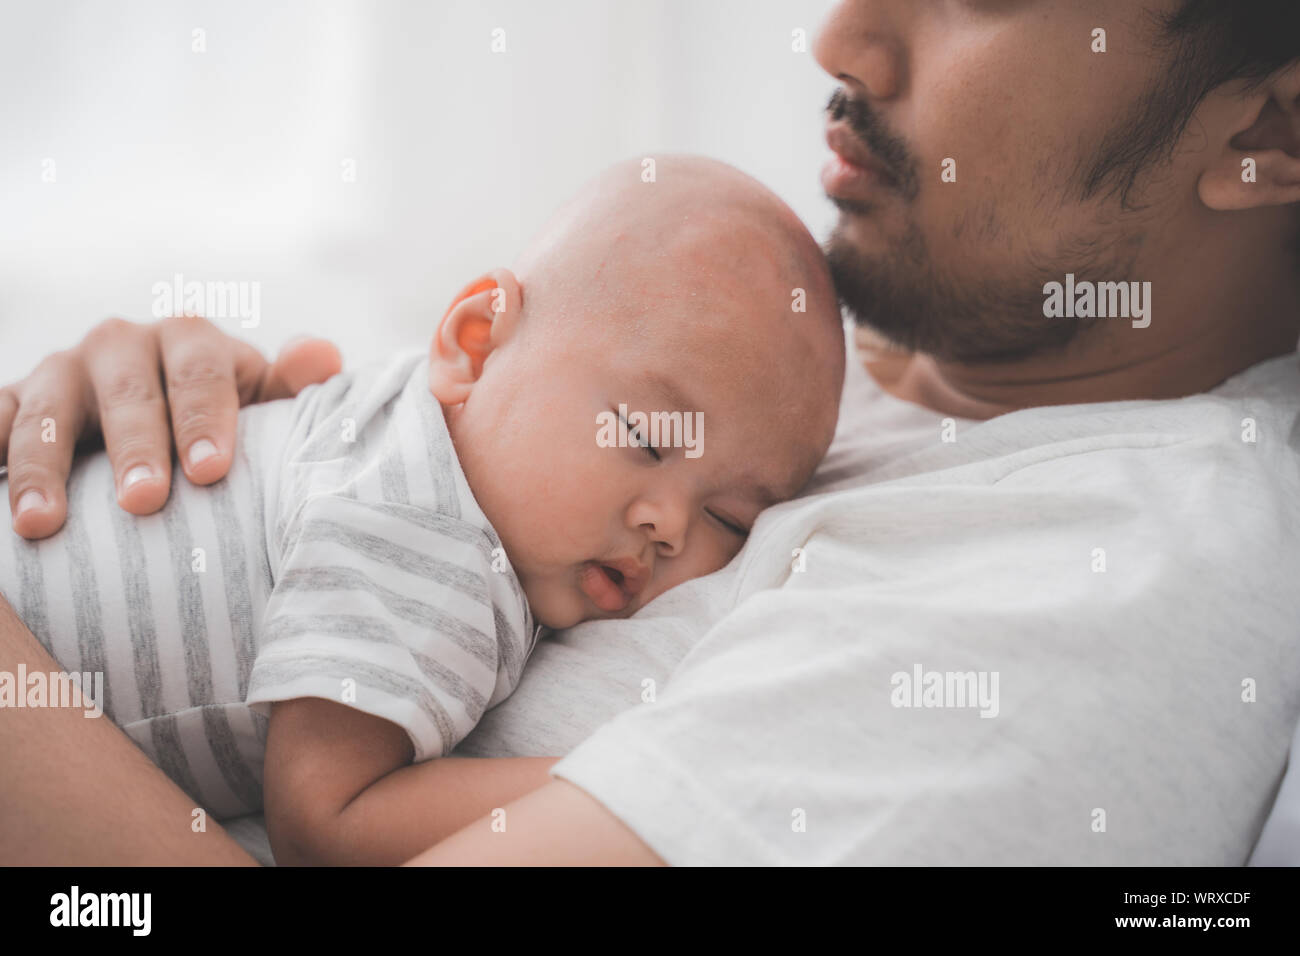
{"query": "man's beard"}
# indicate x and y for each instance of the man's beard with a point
(908, 299)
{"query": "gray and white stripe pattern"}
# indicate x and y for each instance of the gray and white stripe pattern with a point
(343, 557)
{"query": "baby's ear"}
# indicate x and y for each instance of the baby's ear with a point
(481, 318)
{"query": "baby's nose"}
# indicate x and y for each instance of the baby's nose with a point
(664, 522)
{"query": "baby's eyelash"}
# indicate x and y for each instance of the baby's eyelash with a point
(637, 439)
(733, 528)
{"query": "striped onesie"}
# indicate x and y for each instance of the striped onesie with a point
(343, 557)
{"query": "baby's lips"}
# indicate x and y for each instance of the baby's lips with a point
(596, 583)
(635, 575)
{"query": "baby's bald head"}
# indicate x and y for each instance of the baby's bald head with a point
(699, 220)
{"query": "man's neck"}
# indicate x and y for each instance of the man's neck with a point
(951, 390)
(1200, 335)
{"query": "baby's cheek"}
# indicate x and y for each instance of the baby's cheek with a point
(709, 555)
(724, 545)
(553, 509)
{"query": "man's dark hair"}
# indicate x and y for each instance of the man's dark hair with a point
(1206, 43)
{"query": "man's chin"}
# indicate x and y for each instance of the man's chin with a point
(894, 291)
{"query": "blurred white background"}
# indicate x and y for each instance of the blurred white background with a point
(228, 164)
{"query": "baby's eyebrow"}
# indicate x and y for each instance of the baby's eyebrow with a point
(677, 398)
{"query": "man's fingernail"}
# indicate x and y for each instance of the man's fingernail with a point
(201, 451)
(137, 474)
(30, 499)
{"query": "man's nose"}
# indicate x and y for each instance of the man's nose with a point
(860, 45)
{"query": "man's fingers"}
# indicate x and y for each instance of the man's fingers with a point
(8, 409)
(46, 424)
(122, 363)
(300, 363)
(198, 364)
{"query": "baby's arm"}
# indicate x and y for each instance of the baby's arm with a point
(340, 788)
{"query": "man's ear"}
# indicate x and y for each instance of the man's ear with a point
(481, 318)
(1260, 165)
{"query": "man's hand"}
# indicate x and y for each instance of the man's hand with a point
(140, 387)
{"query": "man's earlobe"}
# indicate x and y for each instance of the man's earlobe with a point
(480, 319)
(1261, 164)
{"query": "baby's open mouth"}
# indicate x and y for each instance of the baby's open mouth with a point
(604, 586)
(611, 587)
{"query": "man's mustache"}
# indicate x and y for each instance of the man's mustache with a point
(885, 147)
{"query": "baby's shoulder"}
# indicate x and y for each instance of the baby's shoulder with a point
(375, 435)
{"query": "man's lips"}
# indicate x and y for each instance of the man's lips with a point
(612, 585)
(852, 172)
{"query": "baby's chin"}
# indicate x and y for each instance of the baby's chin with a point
(556, 610)
(561, 611)
(558, 602)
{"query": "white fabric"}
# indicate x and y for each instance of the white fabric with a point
(1123, 734)
(1279, 842)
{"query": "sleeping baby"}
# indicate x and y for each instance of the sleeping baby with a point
(585, 431)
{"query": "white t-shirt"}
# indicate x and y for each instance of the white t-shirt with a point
(1070, 635)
